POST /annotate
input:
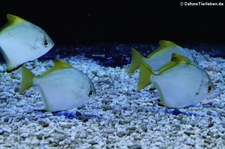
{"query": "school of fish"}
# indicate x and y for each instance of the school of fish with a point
(170, 69)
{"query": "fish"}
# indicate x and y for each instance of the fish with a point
(62, 87)
(158, 57)
(180, 82)
(22, 41)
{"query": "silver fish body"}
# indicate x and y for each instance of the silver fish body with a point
(65, 89)
(182, 86)
(22, 41)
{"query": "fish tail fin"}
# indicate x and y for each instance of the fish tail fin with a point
(27, 79)
(135, 60)
(145, 74)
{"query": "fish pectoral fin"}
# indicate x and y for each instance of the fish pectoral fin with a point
(135, 60)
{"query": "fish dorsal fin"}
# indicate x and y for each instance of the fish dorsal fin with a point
(61, 64)
(163, 45)
(14, 19)
(58, 64)
(176, 59)
(166, 43)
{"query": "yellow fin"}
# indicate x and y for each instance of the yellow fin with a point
(175, 60)
(135, 61)
(61, 64)
(145, 75)
(180, 59)
(14, 19)
(27, 79)
(166, 43)
(58, 64)
(163, 44)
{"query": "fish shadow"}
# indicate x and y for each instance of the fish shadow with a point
(172, 111)
(76, 115)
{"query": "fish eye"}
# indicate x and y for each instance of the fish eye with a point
(209, 89)
(90, 93)
(45, 43)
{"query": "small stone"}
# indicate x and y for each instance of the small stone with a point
(43, 123)
(189, 133)
(83, 135)
(1, 132)
(132, 128)
(208, 141)
(209, 113)
(61, 137)
(65, 125)
(24, 135)
(16, 89)
(110, 131)
(39, 136)
(93, 142)
(210, 125)
(111, 140)
(121, 133)
(106, 107)
(144, 127)
(105, 101)
(6, 119)
(135, 146)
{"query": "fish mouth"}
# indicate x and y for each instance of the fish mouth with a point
(51, 46)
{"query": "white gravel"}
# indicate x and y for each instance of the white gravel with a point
(128, 118)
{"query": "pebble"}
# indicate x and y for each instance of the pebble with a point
(144, 127)
(135, 146)
(121, 133)
(43, 123)
(66, 125)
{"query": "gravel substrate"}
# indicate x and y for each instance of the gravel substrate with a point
(119, 116)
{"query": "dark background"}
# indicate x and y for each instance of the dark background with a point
(71, 21)
(106, 30)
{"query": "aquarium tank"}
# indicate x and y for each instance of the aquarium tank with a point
(108, 74)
